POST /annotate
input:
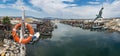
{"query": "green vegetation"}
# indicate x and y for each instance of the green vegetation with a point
(6, 20)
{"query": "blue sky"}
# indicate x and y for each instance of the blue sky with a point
(60, 8)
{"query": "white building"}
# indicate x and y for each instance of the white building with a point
(15, 21)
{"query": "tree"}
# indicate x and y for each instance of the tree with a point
(6, 20)
(7, 23)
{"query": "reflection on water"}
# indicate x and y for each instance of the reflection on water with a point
(74, 41)
(42, 37)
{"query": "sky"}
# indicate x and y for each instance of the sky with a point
(69, 9)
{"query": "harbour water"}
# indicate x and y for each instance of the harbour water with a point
(74, 41)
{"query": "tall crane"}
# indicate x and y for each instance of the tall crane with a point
(99, 15)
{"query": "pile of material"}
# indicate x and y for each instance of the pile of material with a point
(45, 28)
(72, 23)
(11, 48)
(113, 25)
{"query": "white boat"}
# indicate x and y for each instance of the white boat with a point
(96, 27)
(36, 36)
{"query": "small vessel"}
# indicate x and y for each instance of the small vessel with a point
(81, 25)
(96, 27)
(36, 36)
(105, 28)
(56, 26)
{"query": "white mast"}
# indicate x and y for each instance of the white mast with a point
(22, 25)
(22, 48)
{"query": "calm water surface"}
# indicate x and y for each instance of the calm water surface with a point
(73, 41)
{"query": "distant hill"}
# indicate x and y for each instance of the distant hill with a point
(51, 18)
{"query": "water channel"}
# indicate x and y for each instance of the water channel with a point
(74, 41)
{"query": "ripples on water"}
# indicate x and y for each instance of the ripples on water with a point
(74, 41)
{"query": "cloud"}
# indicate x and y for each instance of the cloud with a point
(4, 1)
(94, 3)
(2, 6)
(68, 0)
(17, 5)
(56, 8)
(112, 10)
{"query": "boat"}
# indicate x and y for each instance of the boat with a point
(96, 27)
(36, 36)
(56, 26)
(105, 28)
(81, 25)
